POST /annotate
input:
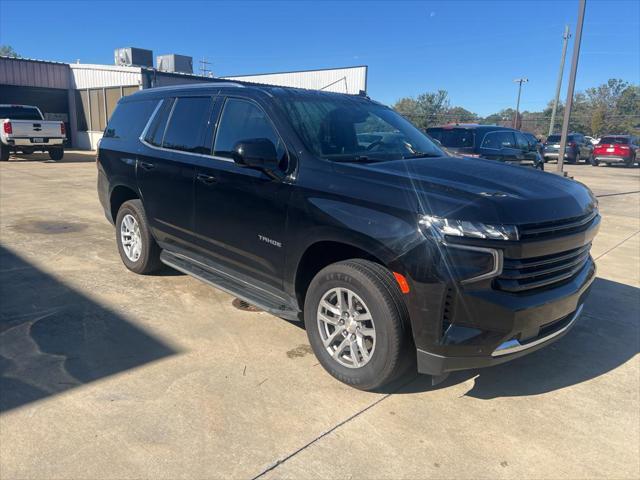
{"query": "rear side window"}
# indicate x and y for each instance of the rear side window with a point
(155, 132)
(129, 118)
(498, 140)
(188, 124)
(243, 120)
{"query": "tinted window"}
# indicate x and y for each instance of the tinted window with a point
(243, 120)
(20, 113)
(155, 133)
(521, 141)
(129, 119)
(453, 137)
(498, 140)
(614, 140)
(188, 123)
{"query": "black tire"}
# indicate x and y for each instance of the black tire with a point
(4, 153)
(149, 260)
(394, 352)
(593, 161)
(56, 153)
(629, 163)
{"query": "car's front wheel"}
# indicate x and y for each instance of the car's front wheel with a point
(593, 161)
(138, 249)
(357, 324)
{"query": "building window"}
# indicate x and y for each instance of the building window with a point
(82, 110)
(94, 106)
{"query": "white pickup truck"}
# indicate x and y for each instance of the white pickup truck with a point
(24, 129)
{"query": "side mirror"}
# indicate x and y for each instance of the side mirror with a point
(259, 153)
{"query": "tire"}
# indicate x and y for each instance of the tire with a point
(4, 153)
(148, 256)
(56, 153)
(593, 161)
(629, 163)
(391, 355)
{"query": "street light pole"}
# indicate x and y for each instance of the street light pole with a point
(565, 41)
(572, 84)
(520, 81)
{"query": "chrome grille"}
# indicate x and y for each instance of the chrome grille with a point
(519, 275)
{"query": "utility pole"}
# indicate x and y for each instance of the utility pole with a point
(520, 81)
(565, 41)
(204, 71)
(572, 84)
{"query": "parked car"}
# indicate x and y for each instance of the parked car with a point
(488, 141)
(534, 142)
(25, 130)
(616, 149)
(395, 256)
(577, 148)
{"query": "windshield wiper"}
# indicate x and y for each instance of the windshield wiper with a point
(422, 155)
(358, 159)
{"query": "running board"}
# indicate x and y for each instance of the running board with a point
(260, 298)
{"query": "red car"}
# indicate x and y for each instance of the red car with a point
(616, 149)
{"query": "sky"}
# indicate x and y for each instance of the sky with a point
(472, 49)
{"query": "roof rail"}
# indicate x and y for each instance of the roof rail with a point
(187, 86)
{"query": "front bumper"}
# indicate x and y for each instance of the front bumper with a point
(555, 155)
(503, 326)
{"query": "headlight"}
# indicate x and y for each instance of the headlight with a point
(463, 228)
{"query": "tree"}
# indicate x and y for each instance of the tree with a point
(426, 110)
(8, 51)
(460, 115)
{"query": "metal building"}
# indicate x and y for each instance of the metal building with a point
(85, 95)
(351, 80)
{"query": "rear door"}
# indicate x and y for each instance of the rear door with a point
(173, 142)
(240, 213)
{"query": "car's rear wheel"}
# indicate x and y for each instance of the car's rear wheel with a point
(138, 250)
(4, 153)
(357, 324)
(56, 153)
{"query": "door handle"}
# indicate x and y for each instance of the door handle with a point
(206, 179)
(147, 165)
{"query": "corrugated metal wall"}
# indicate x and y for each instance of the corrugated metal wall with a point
(31, 73)
(96, 76)
(342, 80)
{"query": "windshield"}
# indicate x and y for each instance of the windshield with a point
(20, 113)
(453, 137)
(614, 140)
(341, 128)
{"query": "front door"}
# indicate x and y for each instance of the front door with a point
(240, 213)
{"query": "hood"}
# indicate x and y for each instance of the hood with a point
(475, 189)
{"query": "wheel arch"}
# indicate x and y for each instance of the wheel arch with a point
(119, 195)
(324, 252)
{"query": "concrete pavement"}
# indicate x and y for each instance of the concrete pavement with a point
(105, 374)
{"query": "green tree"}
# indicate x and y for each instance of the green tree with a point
(8, 51)
(426, 110)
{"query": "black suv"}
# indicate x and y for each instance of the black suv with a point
(578, 148)
(387, 249)
(490, 142)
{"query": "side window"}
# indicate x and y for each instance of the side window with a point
(188, 124)
(243, 120)
(129, 118)
(521, 141)
(498, 140)
(155, 132)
